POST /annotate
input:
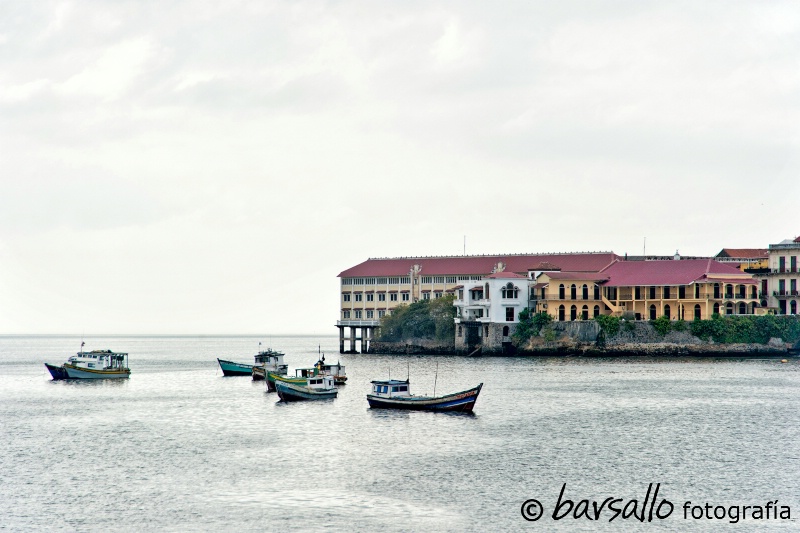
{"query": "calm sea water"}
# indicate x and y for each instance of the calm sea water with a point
(178, 447)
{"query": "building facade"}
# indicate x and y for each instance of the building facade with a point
(783, 278)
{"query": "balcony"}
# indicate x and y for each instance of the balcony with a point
(785, 294)
(358, 323)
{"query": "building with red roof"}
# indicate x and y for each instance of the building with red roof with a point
(781, 282)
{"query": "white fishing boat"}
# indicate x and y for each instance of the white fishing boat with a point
(268, 361)
(336, 371)
(97, 364)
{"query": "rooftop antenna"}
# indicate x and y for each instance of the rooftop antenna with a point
(465, 245)
(644, 248)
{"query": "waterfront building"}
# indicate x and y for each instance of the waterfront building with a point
(680, 289)
(783, 278)
(373, 288)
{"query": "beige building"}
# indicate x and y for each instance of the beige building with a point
(783, 278)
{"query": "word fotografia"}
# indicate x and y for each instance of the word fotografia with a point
(649, 508)
(734, 513)
(616, 507)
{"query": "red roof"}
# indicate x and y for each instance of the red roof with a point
(797, 239)
(480, 265)
(744, 253)
(505, 275)
(682, 272)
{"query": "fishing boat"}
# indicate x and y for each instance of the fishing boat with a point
(337, 371)
(301, 374)
(315, 388)
(230, 368)
(268, 361)
(97, 364)
(396, 394)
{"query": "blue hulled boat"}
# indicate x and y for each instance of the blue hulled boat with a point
(229, 368)
(315, 388)
(396, 394)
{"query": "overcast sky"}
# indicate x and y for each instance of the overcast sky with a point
(210, 167)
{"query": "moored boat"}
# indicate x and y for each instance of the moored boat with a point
(337, 371)
(315, 388)
(301, 374)
(396, 394)
(268, 361)
(230, 368)
(97, 364)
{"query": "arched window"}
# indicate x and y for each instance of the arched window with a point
(585, 311)
(573, 312)
(561, 312)
(729, 308)
(793, 307)
(741, 291)
(742, 309)
(573, 292)
(505, 331)
(716, 290)
(728, 291)
(716, 309)
(561, 292)
(697, 312)
(486, 291)
(667, 311)
(652, 312)
(753, 292)
(596, 310)
(585, 292)
(510, 291)
(597, 292)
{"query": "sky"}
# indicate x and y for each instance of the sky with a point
(210, 167)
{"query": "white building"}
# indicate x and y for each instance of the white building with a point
(487, 311)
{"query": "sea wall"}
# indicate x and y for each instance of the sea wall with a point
(585, 338)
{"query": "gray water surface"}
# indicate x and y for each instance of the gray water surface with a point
(178, 447)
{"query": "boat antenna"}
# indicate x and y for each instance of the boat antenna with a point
(435, 377)
(408, 370)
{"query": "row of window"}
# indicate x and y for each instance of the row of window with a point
(358, 314)
(667, 292)
(358, 297)
(792, 264)
(730, 308)
(407, 280)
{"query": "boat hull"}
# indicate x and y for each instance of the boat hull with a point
(273, 377)
(57, 372)
(462, 402)
(259, 374)
(74, 372)
(229, 368)
(289, 392)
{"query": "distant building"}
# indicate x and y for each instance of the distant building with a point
(680, 289)
(783, 277)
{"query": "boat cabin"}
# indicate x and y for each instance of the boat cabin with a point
(306, 372)
(320, 382)
(271, 361)
(336, 370)
(391, 388)
(99, 360)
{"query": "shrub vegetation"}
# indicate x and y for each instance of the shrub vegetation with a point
(425, 319)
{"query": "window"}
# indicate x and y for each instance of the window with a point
(405, 281)
(597, 292)
(509, 314)
(666, 293)
(393, 297)
(781, 264)
(346, 297)
(460, 294)
(793, 264)
(345, 314)
(505, 331)
(637, 293)
(561, 312)
(426, 296)
(437, 294)
(682, 292)
(573, 312)
(369, 281)
(585, 292)
(652, 294)
(347, 281)
(451, 279)
(358, 281)
(438, 279)
(358, 314)
(370, 297)
(370, 314)
(697, 291)
(358, 297)
(381, 297)
(652, 311)
(381, 314)
(585, 313)
(394, 281)
(573, 292)
(405, 297)
(666, 311)
(427, 279)
(596, 311)
(561, 292)
(510, 291)
(380, 281)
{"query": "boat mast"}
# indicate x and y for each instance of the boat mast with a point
(435, 377)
